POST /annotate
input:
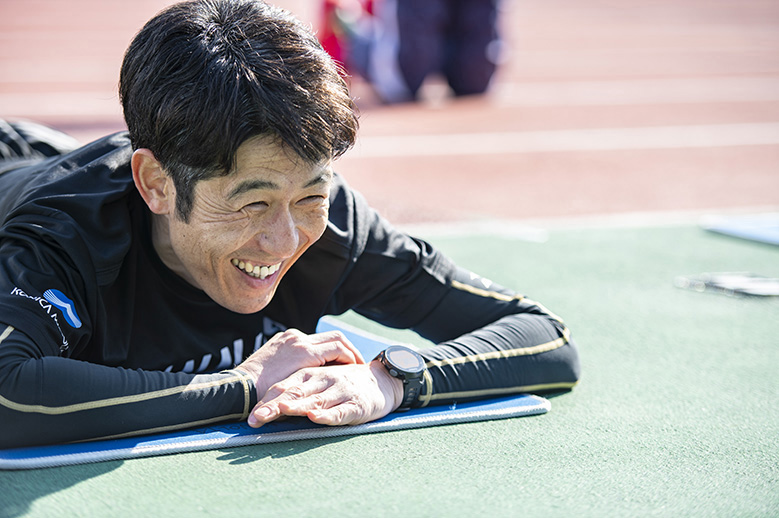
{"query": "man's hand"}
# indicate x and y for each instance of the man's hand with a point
(332, 395)
(292, 350)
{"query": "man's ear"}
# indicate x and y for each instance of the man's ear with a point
(152, 182)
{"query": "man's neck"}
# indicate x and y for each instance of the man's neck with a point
(160, 238)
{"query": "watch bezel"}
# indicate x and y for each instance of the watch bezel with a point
(413, 380)
(405, 372)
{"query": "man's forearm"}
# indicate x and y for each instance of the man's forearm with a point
(518, 353)
(53, 400)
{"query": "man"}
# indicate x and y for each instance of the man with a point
(174, 277)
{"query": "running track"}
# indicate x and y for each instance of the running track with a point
(601, 107)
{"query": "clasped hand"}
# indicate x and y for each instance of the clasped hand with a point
(320, 376)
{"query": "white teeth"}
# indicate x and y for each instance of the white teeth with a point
(257, 271)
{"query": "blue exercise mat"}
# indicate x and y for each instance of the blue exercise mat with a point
(292, 429)
(763, 228)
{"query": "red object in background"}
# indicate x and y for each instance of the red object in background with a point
(330, 34)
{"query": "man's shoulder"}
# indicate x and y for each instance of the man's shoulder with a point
(100, 166)
(350, 214)
(79, 203)
(66, 226)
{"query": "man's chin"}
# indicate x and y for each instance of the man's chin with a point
(245, 306)
(248, 309)
(247, 297)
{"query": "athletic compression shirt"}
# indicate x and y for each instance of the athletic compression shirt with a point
(99, 339)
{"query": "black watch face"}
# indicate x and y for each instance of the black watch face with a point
(404, 359)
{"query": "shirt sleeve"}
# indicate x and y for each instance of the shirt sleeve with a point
(489, 340)
(50, 399)
(526, 349)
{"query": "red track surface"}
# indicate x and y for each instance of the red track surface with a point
(690, 89)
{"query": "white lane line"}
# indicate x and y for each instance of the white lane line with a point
(639, 91)
(600, 139)
(537, 229)
(61, 104)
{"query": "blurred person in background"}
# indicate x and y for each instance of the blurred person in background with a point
(395, 45)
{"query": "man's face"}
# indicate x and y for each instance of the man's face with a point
(248, 228)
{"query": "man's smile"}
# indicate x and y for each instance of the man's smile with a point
(256, 271)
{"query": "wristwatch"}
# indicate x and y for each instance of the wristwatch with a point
(408, 366)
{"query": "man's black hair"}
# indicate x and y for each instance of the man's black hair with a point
(202, 77)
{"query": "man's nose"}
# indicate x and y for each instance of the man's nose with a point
(279, 235)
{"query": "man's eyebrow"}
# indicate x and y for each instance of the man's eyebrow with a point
(323, 177)
(251, 185)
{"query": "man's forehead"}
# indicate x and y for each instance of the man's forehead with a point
(265, 163)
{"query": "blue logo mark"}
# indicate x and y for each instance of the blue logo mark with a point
(66, 305)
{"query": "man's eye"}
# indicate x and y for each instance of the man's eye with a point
(256, 205)
(316, 198)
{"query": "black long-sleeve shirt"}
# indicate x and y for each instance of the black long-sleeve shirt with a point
(99, 339)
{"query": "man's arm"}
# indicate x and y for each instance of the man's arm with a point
(489, 340)
(50, 399)
(530, 351)
(492, 341)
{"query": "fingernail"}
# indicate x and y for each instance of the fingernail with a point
(262, 413)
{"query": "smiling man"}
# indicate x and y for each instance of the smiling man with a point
(244, 230)
(173, 276)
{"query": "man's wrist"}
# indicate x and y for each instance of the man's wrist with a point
(408, 366)
(254, 372)
(250, 387)
(394, 386)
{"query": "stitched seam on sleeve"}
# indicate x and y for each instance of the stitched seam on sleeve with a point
(504, 391)
(244, 377)
(115, 401)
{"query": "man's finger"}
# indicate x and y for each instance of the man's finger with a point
(345, 413)
(297, 387)
(332, 342)
(262, 415)
(301, 407)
